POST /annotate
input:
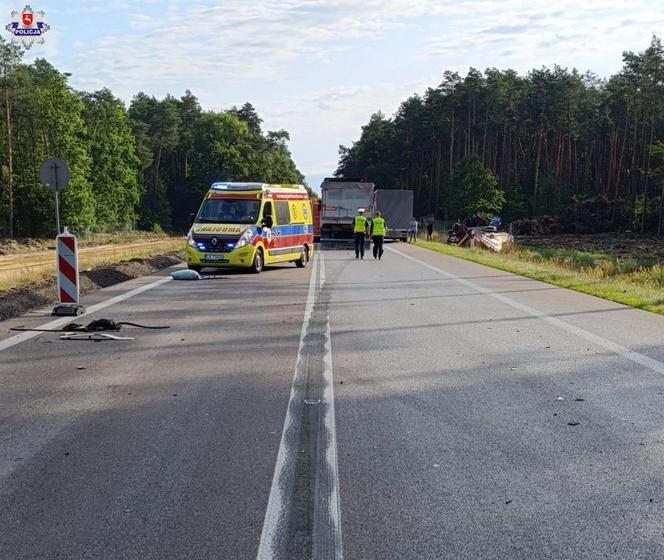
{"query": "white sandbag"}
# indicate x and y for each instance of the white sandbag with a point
(185, 275)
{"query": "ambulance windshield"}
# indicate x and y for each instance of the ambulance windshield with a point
(229, 211)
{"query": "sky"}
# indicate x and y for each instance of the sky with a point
(317, 68)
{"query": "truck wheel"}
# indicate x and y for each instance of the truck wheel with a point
(194, 268)
(304, 258)
(257, 265)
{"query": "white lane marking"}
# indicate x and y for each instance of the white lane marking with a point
(636, 357)
(327, 542)
(17, 339)
(334, 502)
(276, 508)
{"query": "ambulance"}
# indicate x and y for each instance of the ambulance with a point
(250, 225)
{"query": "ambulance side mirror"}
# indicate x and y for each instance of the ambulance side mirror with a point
(267, 221)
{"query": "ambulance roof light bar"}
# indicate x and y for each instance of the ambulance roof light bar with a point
(255, 186)
(238, 186)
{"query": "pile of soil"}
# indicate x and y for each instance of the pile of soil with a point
(633, 246)
(12, 246)
(18, 301)
(595, 215)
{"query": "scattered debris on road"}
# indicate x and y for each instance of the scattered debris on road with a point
(95, 330)
(98, 325)
(95, 337)
(185, 275)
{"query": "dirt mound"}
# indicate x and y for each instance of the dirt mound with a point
(594, 215)
(20, 300)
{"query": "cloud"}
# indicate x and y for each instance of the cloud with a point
(567, 32)
(258, 49)
(239, 39)
(320, 121)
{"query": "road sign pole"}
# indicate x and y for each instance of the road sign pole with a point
(57, 195)
(57, 212)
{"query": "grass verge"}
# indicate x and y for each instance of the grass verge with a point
(637, 283)
(31, 245)
(27, 268)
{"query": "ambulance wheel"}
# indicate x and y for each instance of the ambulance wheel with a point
(304, 258)
(257, 265)
(195, 268)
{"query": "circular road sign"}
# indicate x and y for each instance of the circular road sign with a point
(54, 174)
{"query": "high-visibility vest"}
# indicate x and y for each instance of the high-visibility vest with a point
(378, 226)
(360, 224)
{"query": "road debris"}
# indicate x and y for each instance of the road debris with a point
(98, 325)
(185, 275)
(573, 423)
(96, 337)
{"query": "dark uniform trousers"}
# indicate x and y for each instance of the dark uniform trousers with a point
(378, 246)
(359, 244)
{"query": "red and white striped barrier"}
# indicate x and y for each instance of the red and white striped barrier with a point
(67, 272)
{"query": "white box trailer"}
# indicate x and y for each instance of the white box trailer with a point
(396, 206)
(340, 199)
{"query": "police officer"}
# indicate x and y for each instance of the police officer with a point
(378, 235)
(360, 229)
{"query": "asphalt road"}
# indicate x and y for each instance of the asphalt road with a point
(417, 407)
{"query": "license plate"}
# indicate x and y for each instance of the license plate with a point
(214, 257)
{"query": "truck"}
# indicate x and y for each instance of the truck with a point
(341, 197)
(396, 206)
(315, 207)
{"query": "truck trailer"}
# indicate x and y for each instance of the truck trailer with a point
(340, 199)
(396, 206)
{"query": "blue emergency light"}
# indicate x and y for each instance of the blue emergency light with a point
(237, 186)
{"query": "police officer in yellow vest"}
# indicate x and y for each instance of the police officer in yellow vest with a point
(378, 235)
(360, 226)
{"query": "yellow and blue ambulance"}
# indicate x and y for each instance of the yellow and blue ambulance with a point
(251, 225)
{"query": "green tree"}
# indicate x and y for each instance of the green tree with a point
(161, 119)
(115, 181)
(474, 190)
(10, 57)
(247, 114)
(48, 118)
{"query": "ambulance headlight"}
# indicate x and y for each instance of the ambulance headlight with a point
(190, 240)
(246, 239)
